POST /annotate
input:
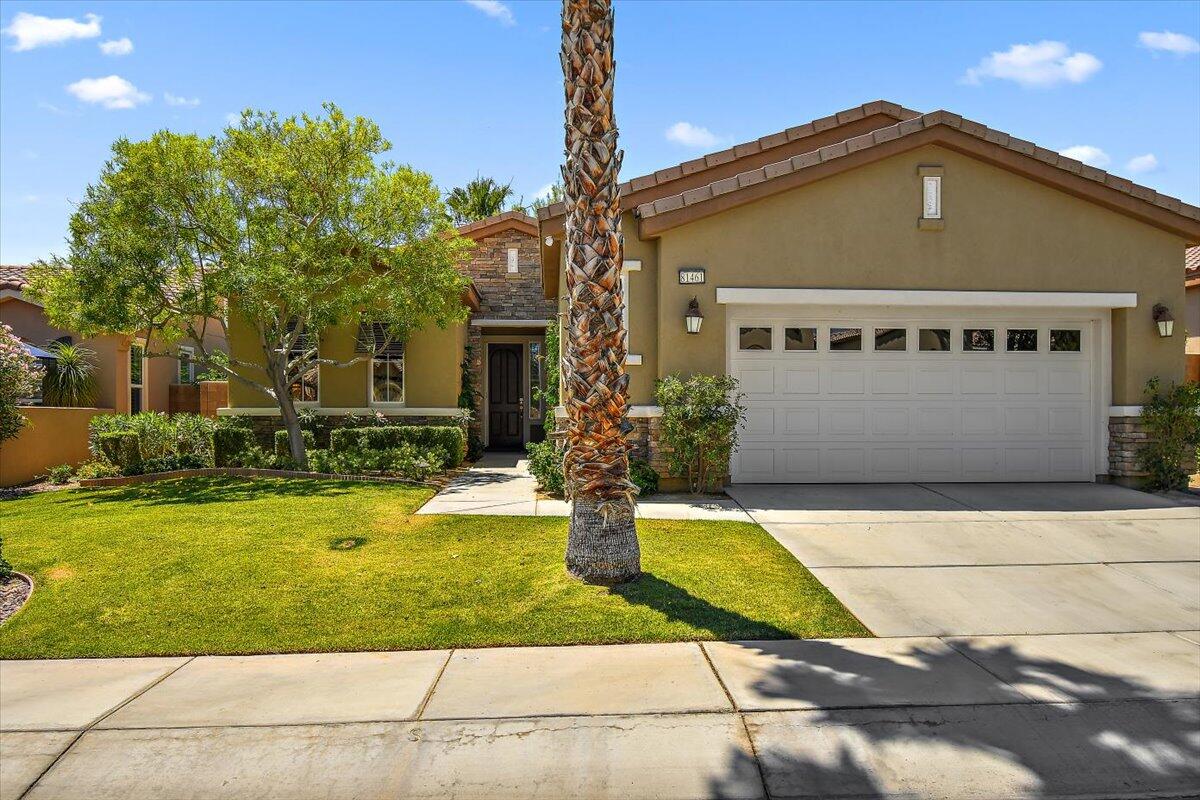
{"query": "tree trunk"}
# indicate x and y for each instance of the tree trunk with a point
(602, 544)
(288, 415)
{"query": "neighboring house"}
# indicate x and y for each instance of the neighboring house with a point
(418, 382)
(903, 297)
(129, 381)
(1191, 314)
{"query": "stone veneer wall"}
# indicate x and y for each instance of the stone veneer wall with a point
(1125, 437)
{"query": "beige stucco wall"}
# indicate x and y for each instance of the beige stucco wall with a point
(431, 368)
(858, 230)
(52, 436)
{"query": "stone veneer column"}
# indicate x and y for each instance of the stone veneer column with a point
(1126, 435)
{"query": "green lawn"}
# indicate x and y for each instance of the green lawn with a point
(228, 566)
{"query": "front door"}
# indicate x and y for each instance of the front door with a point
(506, 397)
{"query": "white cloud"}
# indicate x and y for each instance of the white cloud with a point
(1088, 154)
(1045, 63)
(1178, 43)
(1139, 165)
(113, 92)
(176, 100)
(32, 30)
(117, 47)
(233, 118)
(689, 135)
(494, 9)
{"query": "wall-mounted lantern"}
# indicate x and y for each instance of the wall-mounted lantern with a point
(694, 318)
(1164, 319)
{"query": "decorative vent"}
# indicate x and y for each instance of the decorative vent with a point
(512, 259)
(932, 197)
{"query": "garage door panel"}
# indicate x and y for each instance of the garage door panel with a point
(901, 415)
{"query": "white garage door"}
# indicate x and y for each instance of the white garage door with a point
(978, 397)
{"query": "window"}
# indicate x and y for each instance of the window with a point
(845, 339)
(891, 339)
(536, 370)
(305, 388)
(933, 340)
(512, 259)
(387, 378)
(1022, 340)
(1065, 340)
(979, 340)
(754, 338)
(137, 364)
(187, 365)
(799, 339)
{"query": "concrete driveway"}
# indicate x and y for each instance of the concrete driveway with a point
(992, 559)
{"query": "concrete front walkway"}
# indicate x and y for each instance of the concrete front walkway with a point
(976, 559)
(1100, 715)
(500, 483)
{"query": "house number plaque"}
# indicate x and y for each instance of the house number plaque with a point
(690, 275)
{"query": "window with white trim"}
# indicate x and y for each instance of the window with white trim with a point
(187, 365)
(387, 378)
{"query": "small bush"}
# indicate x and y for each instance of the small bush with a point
(59, 475)
(96, 469)
(403, 461)
(6, 570)
(282, 451)
(644, 476)
(174, 462)
(121, 449)
(194, 436)
(546, 465)
(700, 421)
(70, 378)
(232, 446)
(447, 438)
(1172, 422)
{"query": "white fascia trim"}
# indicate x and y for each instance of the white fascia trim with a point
(511, 323)
(908, 297)
(633, 360)
(340, 412)
(1124, 411)
(636, 412)
(17, 294)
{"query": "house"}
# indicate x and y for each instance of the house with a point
(902, 297)
(1191, 314)
(129, 381)
(418, 382)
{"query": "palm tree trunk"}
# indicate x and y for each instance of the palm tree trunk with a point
(602, 545)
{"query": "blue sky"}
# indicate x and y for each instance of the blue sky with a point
(461, 88)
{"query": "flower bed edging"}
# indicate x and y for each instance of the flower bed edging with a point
(240, 472)
(7, 612)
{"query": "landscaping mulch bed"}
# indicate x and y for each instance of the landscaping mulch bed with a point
(13, 594)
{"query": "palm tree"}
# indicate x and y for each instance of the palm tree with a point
(479, 199)
(602, 544)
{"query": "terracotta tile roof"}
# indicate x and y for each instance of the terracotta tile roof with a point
(14, 276)
(482, 228)
(908, 128)
(749, 148)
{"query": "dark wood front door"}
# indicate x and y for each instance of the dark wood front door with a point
(506, 406)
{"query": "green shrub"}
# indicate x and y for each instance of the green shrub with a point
(282, 451)
(70, 379)
(1172, 422)
(546, 465)
(232, 446)
(96, 469)
(122, 450)
(403, 461)
(60, 474)
(194, 436)
(447, 438)
(20, 374)
(700, 419)
(644, 476)
(6, 570)
(174, 462)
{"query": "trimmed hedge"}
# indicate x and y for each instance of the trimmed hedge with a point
(122, 448)
(448, 439)
(229, 444)
(282, 450)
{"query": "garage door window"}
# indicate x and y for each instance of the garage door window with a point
(1064, 340)
(754, 339)
(979, 340)
(845, 339)
(891, 339)
(799, 339)
(1022, 340)
(933, 340)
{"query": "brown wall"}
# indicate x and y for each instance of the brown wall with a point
(54, 436)
(858, 230)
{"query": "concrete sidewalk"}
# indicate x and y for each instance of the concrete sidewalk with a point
(500, 484)
(1100, 715)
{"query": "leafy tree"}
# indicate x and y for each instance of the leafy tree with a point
(70, 379)
(602, 543)
(700, 420)
(552, 195)
(19, 377)
(479, 199)
(292, 220)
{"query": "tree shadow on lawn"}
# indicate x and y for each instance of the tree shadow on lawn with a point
(678, 604)
(202, 491)
(1097, 735)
